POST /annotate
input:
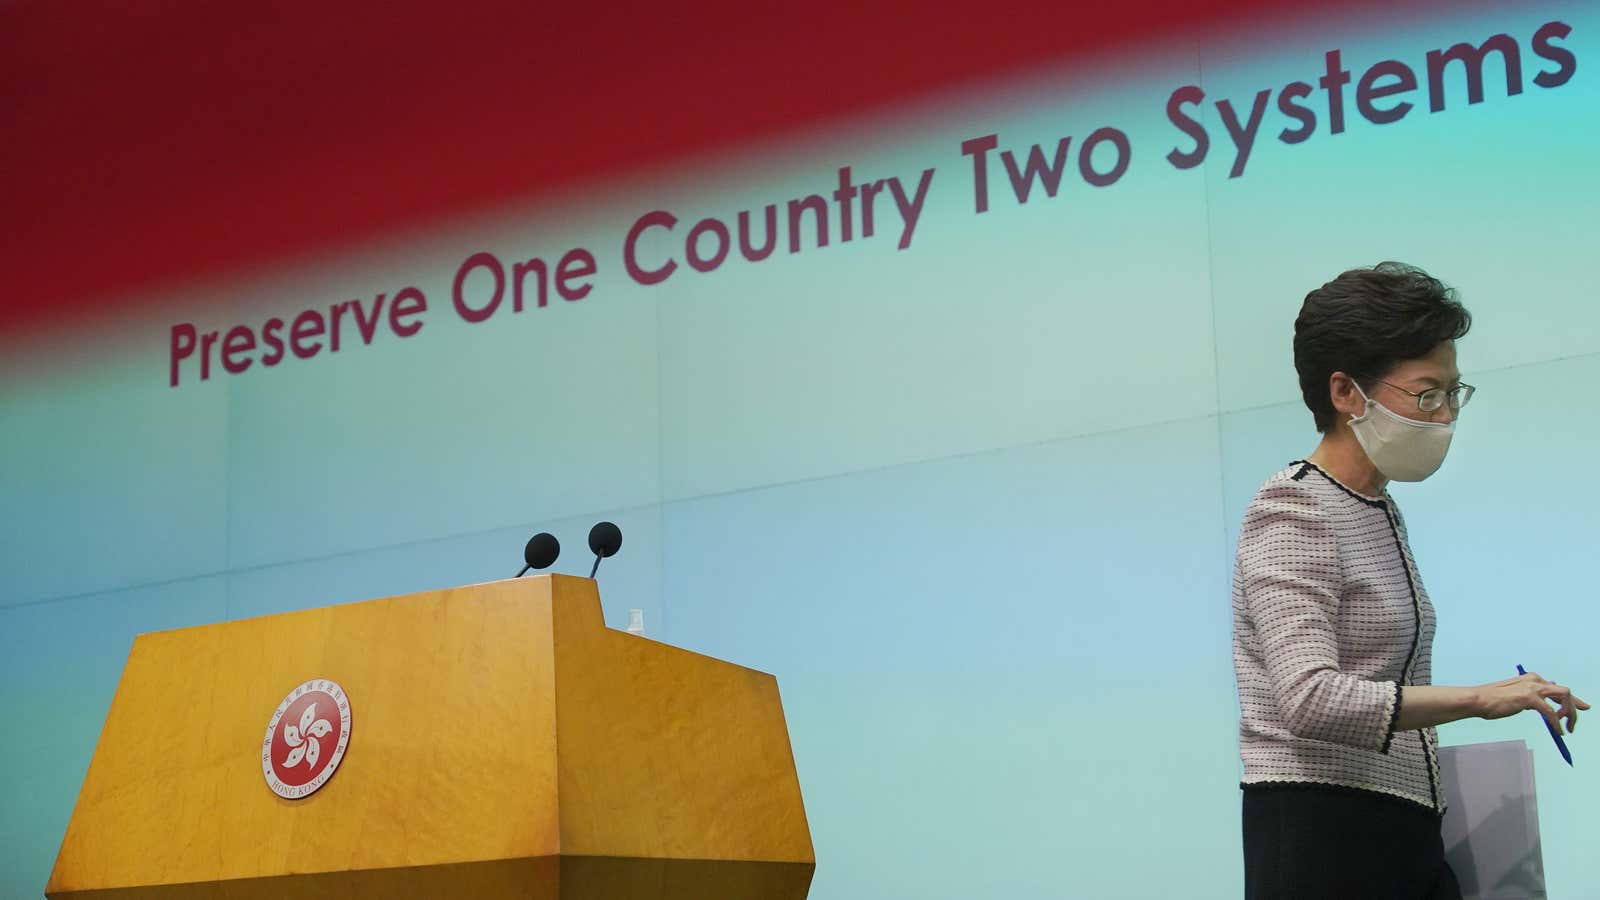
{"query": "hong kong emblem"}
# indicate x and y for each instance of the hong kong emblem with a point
(306, 739)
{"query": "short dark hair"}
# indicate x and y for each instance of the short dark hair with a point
(1367, 321)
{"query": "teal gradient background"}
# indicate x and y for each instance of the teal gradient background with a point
(972, 502)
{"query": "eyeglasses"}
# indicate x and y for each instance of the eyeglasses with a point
(1430, 400)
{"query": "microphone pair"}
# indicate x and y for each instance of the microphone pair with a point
(605, 539)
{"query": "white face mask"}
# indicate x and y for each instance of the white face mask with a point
(1403, 449)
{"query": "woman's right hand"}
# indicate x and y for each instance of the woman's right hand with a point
(1505, 698)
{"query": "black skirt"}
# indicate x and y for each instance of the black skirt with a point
(1316, 842)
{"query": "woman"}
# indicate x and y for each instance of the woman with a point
(1333, 631)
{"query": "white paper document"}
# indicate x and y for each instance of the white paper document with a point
(1491, 825)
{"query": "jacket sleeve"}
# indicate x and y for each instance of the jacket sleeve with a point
(1289, 575)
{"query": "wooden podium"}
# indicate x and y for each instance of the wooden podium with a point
(503, 742)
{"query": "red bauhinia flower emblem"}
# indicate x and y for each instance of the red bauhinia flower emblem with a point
(306, 738)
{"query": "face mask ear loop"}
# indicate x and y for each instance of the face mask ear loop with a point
(1366, 410)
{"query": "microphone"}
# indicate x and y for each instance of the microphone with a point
(605, 539)
(542, 550)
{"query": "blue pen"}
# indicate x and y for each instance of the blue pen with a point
(1560, 744)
